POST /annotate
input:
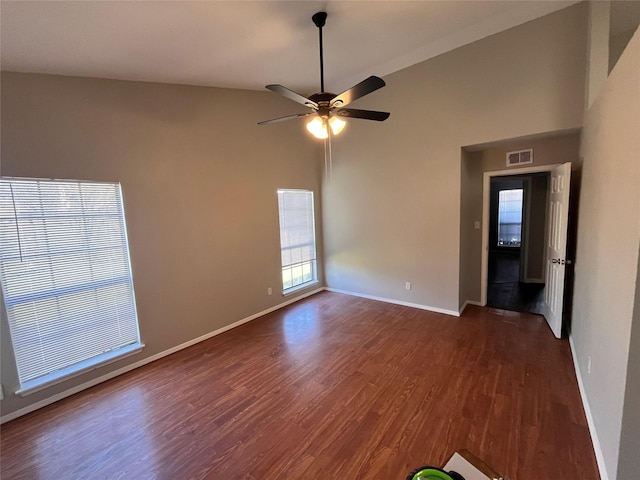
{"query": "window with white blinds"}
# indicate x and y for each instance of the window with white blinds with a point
(66, 277)
(510, 217)
(297, 238)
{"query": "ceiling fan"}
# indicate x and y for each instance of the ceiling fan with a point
(327, 108)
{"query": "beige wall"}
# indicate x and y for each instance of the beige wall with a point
(607, 250)
(392, 210)
(597, 49)
(470, 237)
(199, 181)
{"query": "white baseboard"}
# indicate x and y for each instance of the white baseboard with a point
(587, 410)
(396, 302)
(145, 361)
(470, 302)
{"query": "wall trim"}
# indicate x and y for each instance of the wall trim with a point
(108, 376)
(396, 302)
(587, 410)
(470, 302)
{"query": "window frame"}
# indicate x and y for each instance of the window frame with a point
(77, 366)
(499, 224)
(313, 262)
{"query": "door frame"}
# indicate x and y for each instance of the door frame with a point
(486, 187)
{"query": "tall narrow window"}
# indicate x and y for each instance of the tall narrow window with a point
(297, 238)
(510, 217)
(66, 278)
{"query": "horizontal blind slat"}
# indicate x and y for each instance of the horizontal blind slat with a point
(297, 236)
(65, 271)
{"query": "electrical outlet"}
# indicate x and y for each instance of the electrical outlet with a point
(269, 291)
(589, 365)
(407, 285)
(476, 225)
(1, 393)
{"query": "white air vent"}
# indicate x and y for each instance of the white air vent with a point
(520, 157)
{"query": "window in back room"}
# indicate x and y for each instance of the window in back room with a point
(510, 218)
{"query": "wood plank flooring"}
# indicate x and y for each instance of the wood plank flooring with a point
(331, 387)
(505, 291)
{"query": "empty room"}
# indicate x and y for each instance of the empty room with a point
(320, 240)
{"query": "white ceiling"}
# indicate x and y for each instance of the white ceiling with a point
(245, 44)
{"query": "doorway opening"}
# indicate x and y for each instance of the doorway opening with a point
(516, 247)
(554, 243)
(480, 164)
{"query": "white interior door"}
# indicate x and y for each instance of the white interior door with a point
(558, 220)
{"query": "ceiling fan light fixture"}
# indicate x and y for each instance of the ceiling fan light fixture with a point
(337, 125)
(318, 127)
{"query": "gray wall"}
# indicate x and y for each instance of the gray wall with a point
(470, 237)
(392, 210)
(629, 458)
(199, 181)
(607, 248)
(624, 18)
(534, 261)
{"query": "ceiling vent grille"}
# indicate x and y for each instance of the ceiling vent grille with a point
(520, 157)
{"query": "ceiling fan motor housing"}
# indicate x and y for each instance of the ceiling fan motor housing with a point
(324, 102)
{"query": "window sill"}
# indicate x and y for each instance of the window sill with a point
(297, 288)
(34, 386)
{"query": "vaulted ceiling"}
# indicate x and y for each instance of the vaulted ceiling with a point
(245, 44)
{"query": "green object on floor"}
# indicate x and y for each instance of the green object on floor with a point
(429, 473)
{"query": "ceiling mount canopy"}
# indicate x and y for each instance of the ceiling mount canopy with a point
(327, 108)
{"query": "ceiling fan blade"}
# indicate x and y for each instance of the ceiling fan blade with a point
(365, 87)
(288, 117)
(365, 114)
(291, 95)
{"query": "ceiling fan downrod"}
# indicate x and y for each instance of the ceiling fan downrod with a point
(319, 20)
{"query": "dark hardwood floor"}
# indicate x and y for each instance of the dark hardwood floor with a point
(504, 289)
(332, 387)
